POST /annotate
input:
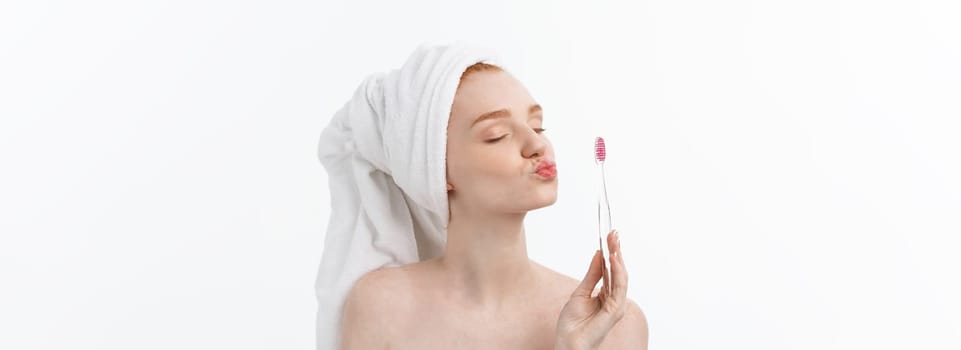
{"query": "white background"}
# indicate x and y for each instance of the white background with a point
(784, 173)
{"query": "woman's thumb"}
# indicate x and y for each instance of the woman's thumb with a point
(586, 288)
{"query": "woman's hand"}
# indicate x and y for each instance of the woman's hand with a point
(585, 320)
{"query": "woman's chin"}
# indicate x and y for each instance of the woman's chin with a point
(544, 199)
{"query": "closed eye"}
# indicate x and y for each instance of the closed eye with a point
(538, 130)
(495, 140)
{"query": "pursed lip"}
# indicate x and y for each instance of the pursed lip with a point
(544, 164)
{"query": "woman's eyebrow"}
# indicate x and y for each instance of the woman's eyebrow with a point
(500, 113)
(503, 113)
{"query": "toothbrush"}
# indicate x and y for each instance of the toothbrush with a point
(604, 222)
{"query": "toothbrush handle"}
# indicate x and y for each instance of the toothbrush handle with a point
(604, 206)
(604, 227)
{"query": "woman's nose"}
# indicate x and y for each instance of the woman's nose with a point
(535, 146)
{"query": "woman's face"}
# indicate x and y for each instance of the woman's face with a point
(494, 145)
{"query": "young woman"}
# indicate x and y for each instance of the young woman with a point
(484, 292)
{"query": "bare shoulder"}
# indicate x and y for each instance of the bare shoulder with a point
(631, 332)
(558, 281)
(378, 288)
(367, 308)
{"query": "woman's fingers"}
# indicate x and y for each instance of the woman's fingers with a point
(593, 275)
(618, 276)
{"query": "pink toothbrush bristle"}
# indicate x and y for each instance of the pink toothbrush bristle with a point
(600, 152)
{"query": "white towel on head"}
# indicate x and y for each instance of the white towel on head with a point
(385, 156)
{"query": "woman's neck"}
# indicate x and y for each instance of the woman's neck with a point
(485, 263)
